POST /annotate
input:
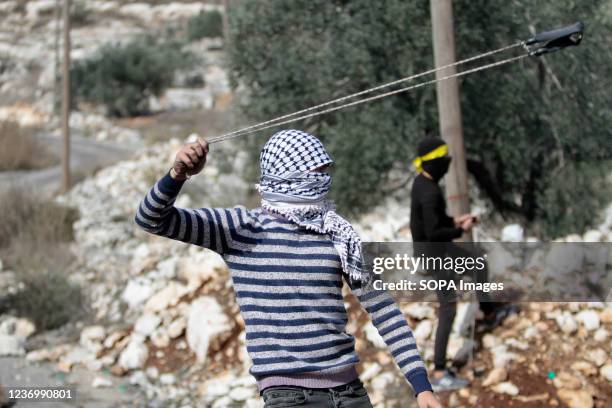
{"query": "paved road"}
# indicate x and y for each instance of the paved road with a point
(87, 156)
(16, 372)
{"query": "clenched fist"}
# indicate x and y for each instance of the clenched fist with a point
(190, 160)
(426, 399)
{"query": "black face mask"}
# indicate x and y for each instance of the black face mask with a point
(437, 168)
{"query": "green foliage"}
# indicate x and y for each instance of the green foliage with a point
(207, 24)
(80, 15)
(47, 297)
(122, 78)
(6, 64)
(292, 55)
(559, 211)
(526, 125)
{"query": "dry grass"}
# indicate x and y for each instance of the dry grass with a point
(27, 217)
(34, 236)
(19, 149)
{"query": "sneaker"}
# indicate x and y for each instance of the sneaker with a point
(448, 382)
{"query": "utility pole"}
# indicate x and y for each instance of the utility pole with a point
(226, 7)
(66, 98)
(449, 107)
(56, 59)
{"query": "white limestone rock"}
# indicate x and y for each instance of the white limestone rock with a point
(501, 355)
(37, 8)
(597, 356)
(589, 319)
(606, 372)
(418, 311)
(201, 267)
(576, 398)
(223, 402)
(167, 268)
(566, 322)
(176, 99)
(78, 356)
(593, 236)
(135, 354)
(146, 324)
(11, 346)
(142, 11)
(215, 388)
(565, 380)
(136, 292)
(254, 403)
(495, 376)
(513, 233)
(373, 337)
(241, 393)
(8, 6)
(92, 338)
(506, 388)
(101, 382)
(490, 341)
(206, 321)
(423, 330)
(600, 335)
(177, 327)
(19, 327)
(382, 381)
(166, 298)
(160, 338)
(167, 379)
(370, 371)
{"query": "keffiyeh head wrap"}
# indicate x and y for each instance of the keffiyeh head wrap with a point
(289, 187)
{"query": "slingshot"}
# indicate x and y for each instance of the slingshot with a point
(540, 44)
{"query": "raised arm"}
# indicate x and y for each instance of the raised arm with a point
(207, 227)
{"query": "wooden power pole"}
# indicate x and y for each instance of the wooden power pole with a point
(66, 98)
(226, 7)
(449, 107)
(56, 58)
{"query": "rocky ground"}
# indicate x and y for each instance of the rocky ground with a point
(149, 296)
(145, 342)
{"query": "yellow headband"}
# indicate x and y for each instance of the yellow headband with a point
(436, 153)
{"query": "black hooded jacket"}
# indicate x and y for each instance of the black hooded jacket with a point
(428, 219)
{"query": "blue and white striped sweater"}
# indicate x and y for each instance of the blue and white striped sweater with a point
(288, 285)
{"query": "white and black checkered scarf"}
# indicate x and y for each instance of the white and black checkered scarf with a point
(289, 187)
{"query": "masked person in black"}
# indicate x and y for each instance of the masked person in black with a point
(432, 233)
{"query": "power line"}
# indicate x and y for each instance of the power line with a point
(250, 129)
(273, 122)
(550, 41)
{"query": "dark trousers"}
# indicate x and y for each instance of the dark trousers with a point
(352, 395)
(448, 300)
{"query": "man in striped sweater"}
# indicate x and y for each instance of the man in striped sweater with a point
(287, 261)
